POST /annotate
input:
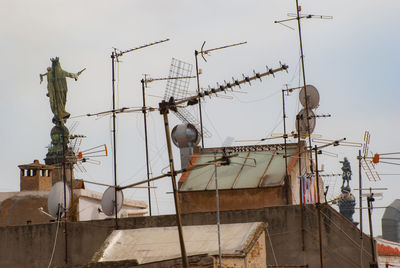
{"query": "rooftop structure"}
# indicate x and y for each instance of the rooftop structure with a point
(240, 243)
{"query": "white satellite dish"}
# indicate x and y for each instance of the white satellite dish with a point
(301, 127)
(55, 201)
(108, 201)
(312, 97)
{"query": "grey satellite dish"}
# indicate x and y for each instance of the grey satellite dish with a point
(55, 202)
(312, 97)
(108, 201)
(301, 127)
(185, 135)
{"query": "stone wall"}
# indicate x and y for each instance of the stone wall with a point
(31, 245)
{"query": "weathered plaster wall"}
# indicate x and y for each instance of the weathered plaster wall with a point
(237, 199)
(30, 246)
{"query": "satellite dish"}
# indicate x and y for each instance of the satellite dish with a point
(312, 97)
(302, 115)
(108, 201)
(185, 135)
(55, 201)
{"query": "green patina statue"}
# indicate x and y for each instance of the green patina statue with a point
(57, 90)
(57, 93)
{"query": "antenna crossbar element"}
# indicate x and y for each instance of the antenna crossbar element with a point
(194, 99)
(205, 52)
(119, 54)
(369, 171)
(176, 87)
(310, 16)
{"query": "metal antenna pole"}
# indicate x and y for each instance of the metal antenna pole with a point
(146, 142)
(65, 200)
(113, 54)
(196, 53)
(360, 204)
(218, 217)
(176, 197)
(205, 52)
(370, 199)
(318, 209)
(285, 137)
(304, 80)
(300, 185)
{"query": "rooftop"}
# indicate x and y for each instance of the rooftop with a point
(253, 167)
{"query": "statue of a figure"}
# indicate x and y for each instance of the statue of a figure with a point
(57, 90)
(57, 93)
(346, 175)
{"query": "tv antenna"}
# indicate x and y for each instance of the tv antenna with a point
(202, 53)
(172, 104)
(115, 55)
(165, 107)
(367, 165)
(87, 155)
(177, 87)
(299, 17)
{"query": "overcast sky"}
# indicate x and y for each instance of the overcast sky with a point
(352, 60)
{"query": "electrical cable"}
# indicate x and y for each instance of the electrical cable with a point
(272, 247)
(54, 245)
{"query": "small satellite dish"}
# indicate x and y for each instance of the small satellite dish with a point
(55, 201)
(312, 97)
(108, 201)
(303, 123)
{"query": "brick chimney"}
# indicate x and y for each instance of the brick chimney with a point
(36, 177)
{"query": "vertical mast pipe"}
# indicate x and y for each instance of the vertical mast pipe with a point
(196, 53)
(304, 81)
(147, 144)
(285, 137)
(176, 197)
(114, 140)
(318, 209)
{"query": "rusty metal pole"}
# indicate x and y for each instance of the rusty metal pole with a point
(64, 208)
(370, 199)
(300, 186)
(146, 143)
(285, 140)
(196, 53)
(114, 139)
(318, 209)
(176, 197)
(360, 204)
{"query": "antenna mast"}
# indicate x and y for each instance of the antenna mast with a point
(114, 56)
(205, 52)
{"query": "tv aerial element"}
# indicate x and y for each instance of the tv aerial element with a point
(115, 58)
(108, 203)
(367, 165)
(55, 202)
(179, 76)
(119, 53)
(205, 52)
(312, 97)
(86, 156)
(343, 143)
(171, 104)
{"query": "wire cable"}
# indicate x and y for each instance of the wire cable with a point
(54, 245)
(272, 247)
